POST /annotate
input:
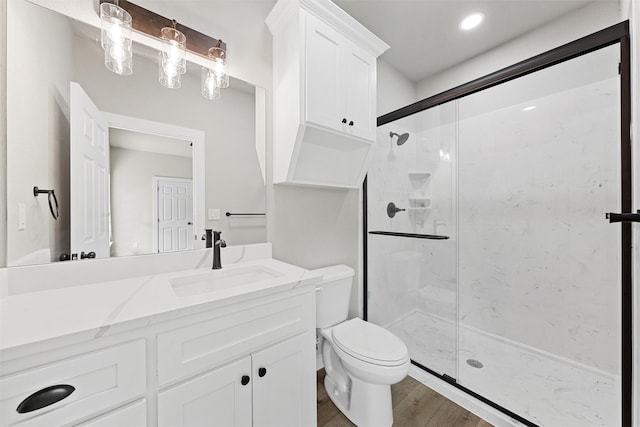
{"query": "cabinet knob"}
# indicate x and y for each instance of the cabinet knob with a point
(344, 120)
(351, 123)
(245, 380)
(262, 372)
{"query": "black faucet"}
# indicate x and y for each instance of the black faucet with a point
(217, 244)
(208, 236)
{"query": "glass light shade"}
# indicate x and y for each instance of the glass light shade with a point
(210, 88)
(173, 58)
(219, 65)
(122, 66)
(116, 38)
(168, 80)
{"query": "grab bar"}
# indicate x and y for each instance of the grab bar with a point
(412, 235)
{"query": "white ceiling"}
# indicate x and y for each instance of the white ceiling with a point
(423, 35)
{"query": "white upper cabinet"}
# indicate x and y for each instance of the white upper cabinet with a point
(325, 94)
(340, 82)
(360, 92)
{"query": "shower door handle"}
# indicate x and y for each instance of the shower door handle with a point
(623, 217)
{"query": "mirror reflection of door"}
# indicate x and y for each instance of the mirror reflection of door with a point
(89, 159)
(138, 161)
(175, 214)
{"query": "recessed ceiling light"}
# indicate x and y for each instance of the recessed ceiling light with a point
(471, 21)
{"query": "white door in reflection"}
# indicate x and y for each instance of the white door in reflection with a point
(174, 214)
(89, 176)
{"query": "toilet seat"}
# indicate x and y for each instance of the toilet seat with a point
(369, 343)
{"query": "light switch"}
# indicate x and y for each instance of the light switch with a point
(214, 214)
(22, 216)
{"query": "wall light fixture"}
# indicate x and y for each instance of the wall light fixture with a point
(115, 23)
(173, 57)
(119, 17)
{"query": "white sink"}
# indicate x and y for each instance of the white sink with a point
(216, 280)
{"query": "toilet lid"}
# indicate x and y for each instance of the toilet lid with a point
(369, 342)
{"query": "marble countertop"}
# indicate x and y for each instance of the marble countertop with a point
(93, 310)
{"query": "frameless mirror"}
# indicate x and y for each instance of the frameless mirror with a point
(164, 164)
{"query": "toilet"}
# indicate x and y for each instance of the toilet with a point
(361, 360)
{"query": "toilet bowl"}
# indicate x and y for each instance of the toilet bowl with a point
(361, 360)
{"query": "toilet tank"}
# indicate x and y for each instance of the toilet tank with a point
(333, 293)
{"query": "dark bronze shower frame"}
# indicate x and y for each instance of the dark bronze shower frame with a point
(618, 33)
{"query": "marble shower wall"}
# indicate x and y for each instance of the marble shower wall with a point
(538, 262)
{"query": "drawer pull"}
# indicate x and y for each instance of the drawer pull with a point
(262, 372)
(245, 380)
(45, 397)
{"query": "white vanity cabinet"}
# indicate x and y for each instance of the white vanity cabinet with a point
(325, 94)
(271, 387)
(248, 361)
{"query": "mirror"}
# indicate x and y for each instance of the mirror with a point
(160, 141)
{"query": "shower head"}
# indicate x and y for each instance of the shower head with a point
(401, 138)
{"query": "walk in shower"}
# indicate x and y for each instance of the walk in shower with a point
(487, 247)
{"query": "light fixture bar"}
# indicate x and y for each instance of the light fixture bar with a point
(150, 23)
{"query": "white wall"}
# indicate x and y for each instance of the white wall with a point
(132, 199)
(3, 133)
(394, 90)
(35, 150)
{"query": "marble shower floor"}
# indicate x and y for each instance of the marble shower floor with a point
(543, 388)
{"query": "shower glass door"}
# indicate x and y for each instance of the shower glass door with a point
(488, 251)
(412, 283)
(539, 283)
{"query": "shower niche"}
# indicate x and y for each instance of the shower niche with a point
(419, 197)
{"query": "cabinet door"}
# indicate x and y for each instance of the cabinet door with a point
(324, 75)
(215, 399)
(285, 395)
(360, 90)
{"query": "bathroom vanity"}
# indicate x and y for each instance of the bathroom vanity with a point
(230, 347)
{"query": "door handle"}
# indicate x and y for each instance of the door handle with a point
(623, 217)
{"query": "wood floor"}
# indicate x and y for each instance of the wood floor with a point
(414, 405)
